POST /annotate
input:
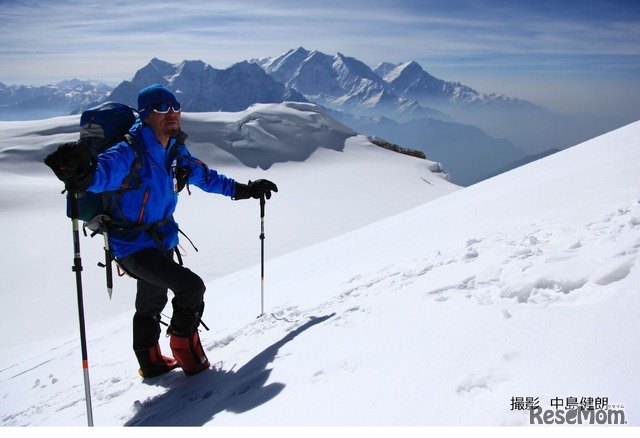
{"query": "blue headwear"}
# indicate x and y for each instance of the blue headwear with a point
(153, 95)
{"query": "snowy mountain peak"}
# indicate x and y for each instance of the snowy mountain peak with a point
(409, 79)
(410, 68)
(316, 56)
(280, 67)
(383, 68)
(191, 67)
(246, 67)
(156, 67)
(357, 68)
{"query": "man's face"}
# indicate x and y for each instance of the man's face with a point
(164, 126)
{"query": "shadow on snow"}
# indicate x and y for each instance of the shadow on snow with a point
(196, 401)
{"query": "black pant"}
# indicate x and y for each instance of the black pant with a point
(157, 273)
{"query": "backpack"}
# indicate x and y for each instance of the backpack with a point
(102, 127)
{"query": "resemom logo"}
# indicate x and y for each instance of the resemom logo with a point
(571, 410)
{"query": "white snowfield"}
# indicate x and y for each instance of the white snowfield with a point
(392, 297)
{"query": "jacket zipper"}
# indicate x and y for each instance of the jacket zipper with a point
(144, 204)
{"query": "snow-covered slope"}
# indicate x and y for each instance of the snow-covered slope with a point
(331, 181)
(522, 287)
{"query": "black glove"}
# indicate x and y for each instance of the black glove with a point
(255, 189)
(74, 164)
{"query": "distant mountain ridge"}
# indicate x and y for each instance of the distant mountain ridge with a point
(202, 88)
(411, 81)
(388, 102)
(474, 135)
(342, 82)
(300, 75)
(25, 102)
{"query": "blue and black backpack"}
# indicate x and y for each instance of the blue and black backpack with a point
(102, 127)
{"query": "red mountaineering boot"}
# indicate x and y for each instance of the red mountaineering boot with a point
(189, 353)
(153, 363)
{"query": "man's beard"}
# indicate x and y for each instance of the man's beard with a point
(173, 132)
(172, 129)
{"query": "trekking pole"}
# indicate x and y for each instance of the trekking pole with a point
(262, 203)
(77, 268)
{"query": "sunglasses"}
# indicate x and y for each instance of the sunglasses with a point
(163, 108)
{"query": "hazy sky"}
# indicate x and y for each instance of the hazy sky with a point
(568, 55)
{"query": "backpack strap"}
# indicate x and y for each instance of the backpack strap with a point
(132, 181)
(152, 229)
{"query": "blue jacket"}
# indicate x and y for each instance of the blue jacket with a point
(143, 215)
